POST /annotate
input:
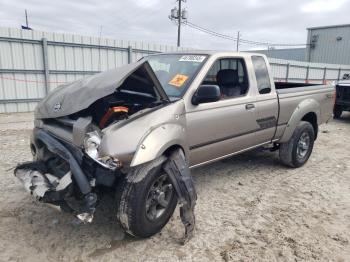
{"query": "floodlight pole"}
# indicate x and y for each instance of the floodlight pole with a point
(25, 11)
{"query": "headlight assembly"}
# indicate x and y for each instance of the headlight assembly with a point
(91, 144)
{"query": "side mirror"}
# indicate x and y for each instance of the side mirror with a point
(206, 94)
(265, 90)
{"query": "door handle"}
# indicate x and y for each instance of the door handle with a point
(249, 106)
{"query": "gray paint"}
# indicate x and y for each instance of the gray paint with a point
(295, 54)
(325, 45)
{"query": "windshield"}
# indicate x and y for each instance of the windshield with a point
(175, 72)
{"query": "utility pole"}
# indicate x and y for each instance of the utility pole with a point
(238, 35)
(179, 25)
(179, 15)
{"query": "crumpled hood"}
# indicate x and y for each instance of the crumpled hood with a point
(73, 97)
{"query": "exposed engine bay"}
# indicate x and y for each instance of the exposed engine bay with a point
(136, 93)
(119, 106)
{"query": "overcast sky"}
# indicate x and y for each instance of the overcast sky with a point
(273, 21)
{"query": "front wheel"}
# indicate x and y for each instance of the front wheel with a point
(297, 150)
(146, 199)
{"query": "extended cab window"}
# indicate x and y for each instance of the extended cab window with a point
(261, 75)
(230, 75)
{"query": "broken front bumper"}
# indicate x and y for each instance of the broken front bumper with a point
(48, 186)
(42, 185)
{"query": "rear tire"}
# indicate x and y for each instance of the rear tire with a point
(297, 150)
(337, 113)
(145, 199)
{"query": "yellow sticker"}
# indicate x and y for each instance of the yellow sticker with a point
(178, 80)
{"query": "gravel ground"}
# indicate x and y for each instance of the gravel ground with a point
(250, 208)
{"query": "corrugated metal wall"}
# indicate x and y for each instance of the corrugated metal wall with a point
(297, 54)
(329, 45)
(32, 63)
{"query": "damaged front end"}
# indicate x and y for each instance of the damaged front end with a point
(57, 177)
(90, 135)
(68, 166)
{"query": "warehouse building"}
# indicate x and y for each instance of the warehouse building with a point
(296, 54)
(325, 44)
(328, 44)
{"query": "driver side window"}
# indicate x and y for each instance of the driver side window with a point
(230, 75)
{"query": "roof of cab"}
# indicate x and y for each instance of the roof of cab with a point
(213, 52)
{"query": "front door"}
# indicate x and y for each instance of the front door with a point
(227, 126)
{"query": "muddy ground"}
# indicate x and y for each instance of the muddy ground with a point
(250, 208)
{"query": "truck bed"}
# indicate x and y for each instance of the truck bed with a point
(290, 95)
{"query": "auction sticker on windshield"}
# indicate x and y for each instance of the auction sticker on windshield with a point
(192, 58)
(178, 80)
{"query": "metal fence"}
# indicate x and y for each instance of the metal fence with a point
(296, 71)
(32, 63)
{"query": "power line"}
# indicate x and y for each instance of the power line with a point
(228, 37)
(240, 40)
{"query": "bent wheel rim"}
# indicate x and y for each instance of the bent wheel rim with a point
(303, 145)
(159, 197)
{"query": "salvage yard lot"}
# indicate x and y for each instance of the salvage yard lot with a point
(249, 208)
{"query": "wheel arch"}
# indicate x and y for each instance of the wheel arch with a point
(308, 110)
(160, 141)
(311, 117)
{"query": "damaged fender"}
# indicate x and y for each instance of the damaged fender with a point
(180, 175)
(176, 168)
(157, 141)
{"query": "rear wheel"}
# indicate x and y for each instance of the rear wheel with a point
(146, 200)
(337, 112)
(297, 150)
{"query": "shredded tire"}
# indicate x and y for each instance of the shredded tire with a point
(130, 198)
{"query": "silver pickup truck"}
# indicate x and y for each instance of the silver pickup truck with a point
(120, 129)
